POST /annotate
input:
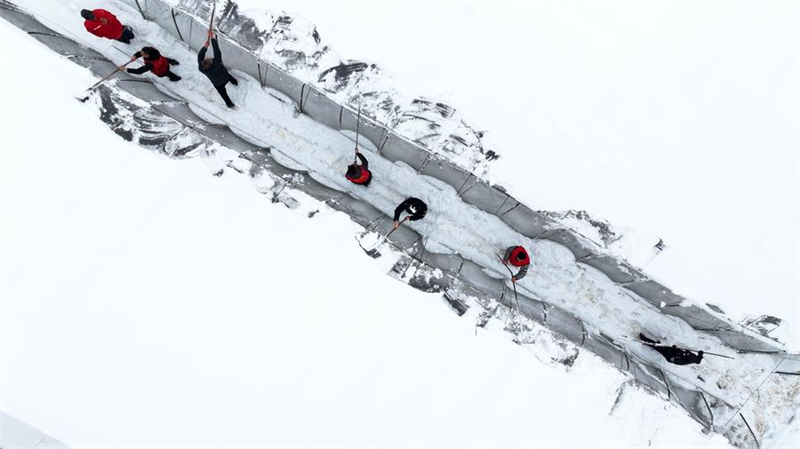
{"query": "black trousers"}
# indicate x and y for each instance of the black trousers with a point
(127, 35)
(224, 93)
(172, 76)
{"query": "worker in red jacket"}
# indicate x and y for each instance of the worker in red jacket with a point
(359, 173)
(102, 23)
(518, 257)
(154, 62)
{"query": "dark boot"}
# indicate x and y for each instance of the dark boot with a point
(232, 80)
(127, 35)
(173, 62)
(644, 338)
(172, 76)
(224, 94)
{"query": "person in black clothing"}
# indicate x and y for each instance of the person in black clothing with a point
(413, 206)
(673, 354)
(215, 70)
(359, 174)
(154, 62)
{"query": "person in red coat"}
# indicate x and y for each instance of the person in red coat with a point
(154, 62)
(518, 257)
(359, 173)
(102, 23)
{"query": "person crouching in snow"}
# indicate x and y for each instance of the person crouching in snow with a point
(673, 354)
(215, 70)
(518, 257)
(415, 207)
(359, 174)
(153, 61)
(102, 23)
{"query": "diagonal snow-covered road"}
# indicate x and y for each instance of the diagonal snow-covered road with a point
(266, 118)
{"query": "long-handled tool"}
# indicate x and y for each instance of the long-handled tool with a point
(211, 22)
(381, 240)
(83, 100)
(513, 282)
(394, 229)
(358, 124)
(686, 349)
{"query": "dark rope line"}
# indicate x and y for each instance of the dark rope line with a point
(753, 393)
(758, 445)
(140, 10)
(176, 25)
(458, 193)
(711, 412)
(501, 204)
(515, 206)
(380, 149)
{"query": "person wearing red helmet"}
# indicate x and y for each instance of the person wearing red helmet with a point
(359, 173)
(518, 257)
(102, 23)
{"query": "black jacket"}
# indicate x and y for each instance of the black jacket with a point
(356, 171)
(673, 354)
(364, 162)
(420, 209)
(678, 356)
(153, 55)
(218, 74)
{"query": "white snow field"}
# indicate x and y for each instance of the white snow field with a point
(187, 231)
(148, 304)
(679, 119)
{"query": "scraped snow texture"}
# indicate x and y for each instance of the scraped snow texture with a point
(144, 299)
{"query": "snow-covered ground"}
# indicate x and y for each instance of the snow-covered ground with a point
(247, 262)
(143, 300)
(679, 119)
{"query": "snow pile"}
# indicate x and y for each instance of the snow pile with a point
(628, 244)
(292, 43)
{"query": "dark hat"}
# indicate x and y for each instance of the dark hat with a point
(353, 171)
(86, 14)
(521, 255)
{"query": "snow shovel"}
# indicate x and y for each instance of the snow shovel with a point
(687, 349)
(380, 240)
(83, 100)
(513, 282)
